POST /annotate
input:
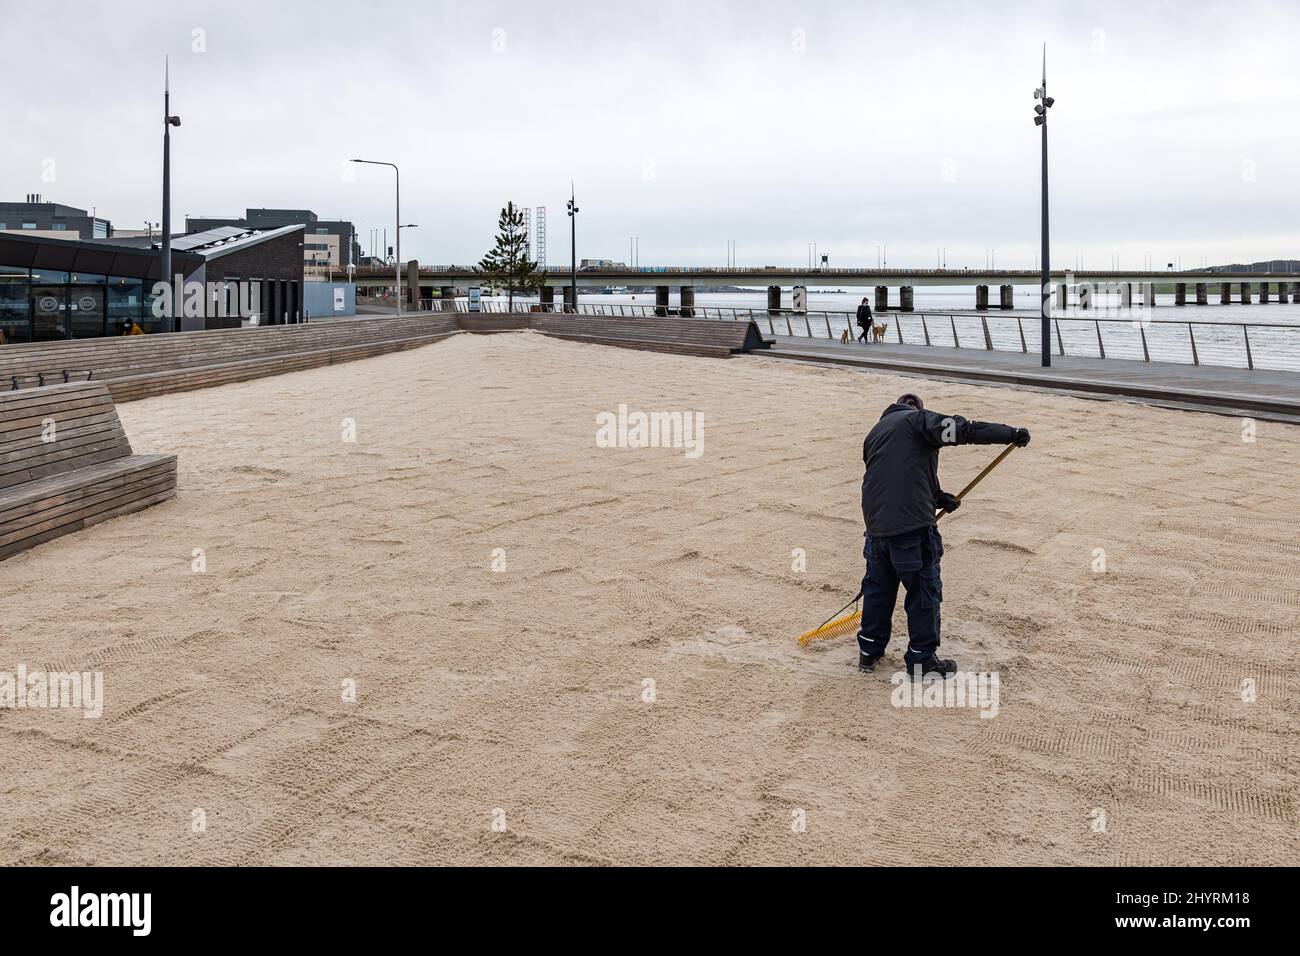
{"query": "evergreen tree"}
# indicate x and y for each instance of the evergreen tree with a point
(507, 264)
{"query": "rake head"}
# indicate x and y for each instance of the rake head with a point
(848, 624)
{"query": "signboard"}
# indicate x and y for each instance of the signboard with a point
(340, 300)
(800, 298)
(475, 299)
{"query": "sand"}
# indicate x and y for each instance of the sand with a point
(507, 716)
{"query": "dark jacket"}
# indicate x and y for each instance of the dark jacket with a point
(864, 315)
(901, 454)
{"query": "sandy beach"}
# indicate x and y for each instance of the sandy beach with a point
(563, 653)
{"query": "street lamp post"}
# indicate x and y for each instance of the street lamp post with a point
(1040, 119)
(168, 122)
(573, 248)
(397, 265)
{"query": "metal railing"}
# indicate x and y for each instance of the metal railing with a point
(1253, 345)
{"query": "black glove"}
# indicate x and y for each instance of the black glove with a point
(1022, 437)
(946, 502)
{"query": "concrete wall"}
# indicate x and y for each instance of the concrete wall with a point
(319, 298)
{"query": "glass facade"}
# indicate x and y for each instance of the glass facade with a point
(15, 305)
(42, 305)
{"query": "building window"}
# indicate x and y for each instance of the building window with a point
(322, 232)
(60, 227)
(29, 225)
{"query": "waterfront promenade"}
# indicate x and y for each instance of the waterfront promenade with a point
(1258, 393)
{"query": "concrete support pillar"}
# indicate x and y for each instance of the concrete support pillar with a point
(1225, 293)
(982, 297)
(546, 295)
(1085, 295)
(1245, 293)
(905, 298)
(1005, 294)
(1202, 294)
(570, 299)
(1062, 296)
(882, 298)
(1282, 289)
(1126, 294)
(1295, 292)
(1149, 295)
(412, 289)
(1180, 293)
(1263, 292)
(661, 299)
(687, 293)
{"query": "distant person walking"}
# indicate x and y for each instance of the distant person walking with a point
(864, 321)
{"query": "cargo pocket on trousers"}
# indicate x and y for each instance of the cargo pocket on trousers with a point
(931, 587)
(905, 554)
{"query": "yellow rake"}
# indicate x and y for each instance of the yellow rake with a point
(837, 626)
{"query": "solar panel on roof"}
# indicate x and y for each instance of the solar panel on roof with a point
(211, 237)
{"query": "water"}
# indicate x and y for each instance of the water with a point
(1164, 328)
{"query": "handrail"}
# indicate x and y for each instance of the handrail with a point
(1103, 333)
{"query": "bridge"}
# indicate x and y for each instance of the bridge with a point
(1244, 287)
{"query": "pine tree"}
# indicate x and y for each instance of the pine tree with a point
(507, 264)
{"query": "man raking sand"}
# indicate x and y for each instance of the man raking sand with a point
(901, 505)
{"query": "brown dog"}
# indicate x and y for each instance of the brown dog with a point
(878, 332)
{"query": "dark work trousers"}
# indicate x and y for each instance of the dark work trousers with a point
(912, 560)
(865, 334)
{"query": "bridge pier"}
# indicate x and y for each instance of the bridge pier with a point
(687, 299)
(1062, 296)
(570, 299)
(1295, 292)
(447, 298)
(1005, 294)
(882, 298)
(982, 298)
(1263, 292)
(1085, 295)
(1225, 293)
(412, 290)
(546, 295)
(1149, 295)
(1202, 294)
(905, 298)
(1245, 293)
(1282, 289)
(1126, 295)
(661, 299)
(774, 298)
(1180, 293)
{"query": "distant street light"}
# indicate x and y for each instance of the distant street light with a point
(1040, 119)
(397, 289)
(573, 246)
(168, 122)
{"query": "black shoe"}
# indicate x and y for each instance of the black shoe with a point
(932, 665)
(867, 662)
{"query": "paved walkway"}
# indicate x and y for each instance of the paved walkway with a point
(1274, 396)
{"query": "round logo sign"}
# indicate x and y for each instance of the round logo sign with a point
(48, 303)
(87, 303)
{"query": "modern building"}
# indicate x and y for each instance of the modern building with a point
(52, 220)
(325, 245)
(72, 288)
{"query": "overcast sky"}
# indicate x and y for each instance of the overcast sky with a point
(687, 124)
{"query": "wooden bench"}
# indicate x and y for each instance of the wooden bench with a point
(705, 337)
(136, 366)
(66, 464)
